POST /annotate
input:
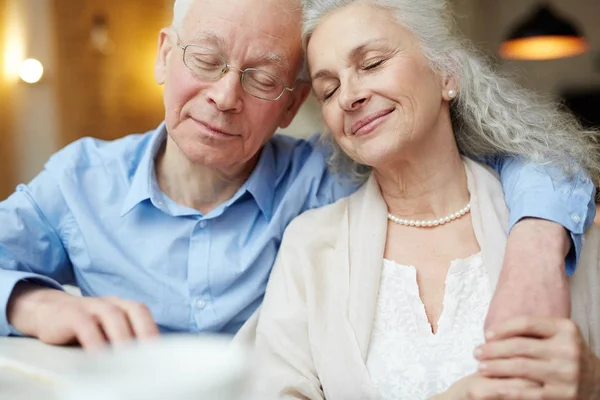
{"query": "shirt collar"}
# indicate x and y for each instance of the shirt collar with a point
(260, 184)
(143, 184)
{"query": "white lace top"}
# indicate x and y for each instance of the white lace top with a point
(406, 360)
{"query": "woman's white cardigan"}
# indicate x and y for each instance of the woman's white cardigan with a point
(313, 331)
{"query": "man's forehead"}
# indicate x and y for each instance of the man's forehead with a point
(258, 23)
(278, 19)
(258, 54)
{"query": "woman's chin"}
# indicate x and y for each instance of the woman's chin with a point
(373, 156)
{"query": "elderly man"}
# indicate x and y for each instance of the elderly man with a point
(177, 229)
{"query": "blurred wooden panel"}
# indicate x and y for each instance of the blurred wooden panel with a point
(7, 164)
(108, 91)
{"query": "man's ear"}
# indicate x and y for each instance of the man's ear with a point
(165, 46)
(297, 98)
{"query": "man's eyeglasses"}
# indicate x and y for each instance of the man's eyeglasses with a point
(209, 64)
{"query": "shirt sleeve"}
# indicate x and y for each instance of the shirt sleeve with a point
(546, 192)
(30, 246)
(330, 187)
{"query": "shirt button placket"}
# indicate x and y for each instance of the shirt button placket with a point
(198, 273)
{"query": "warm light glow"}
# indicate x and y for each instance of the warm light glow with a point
(31, 70)
(543, 47)
(14, 38)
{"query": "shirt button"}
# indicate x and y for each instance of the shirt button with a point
(203, 224)
(575, 218)
(200, 303)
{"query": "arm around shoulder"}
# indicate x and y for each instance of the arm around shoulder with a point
(549, 212)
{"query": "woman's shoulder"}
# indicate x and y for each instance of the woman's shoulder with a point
(318, 224)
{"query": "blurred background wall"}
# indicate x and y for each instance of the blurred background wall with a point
(98, 57)
(7, 159)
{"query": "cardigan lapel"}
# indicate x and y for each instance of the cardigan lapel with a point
(367, 213)
(489, 215)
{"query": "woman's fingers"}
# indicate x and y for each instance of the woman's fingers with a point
(531, 369)
(537, 327)
(495, 389)
(512, 347)
(553, 393)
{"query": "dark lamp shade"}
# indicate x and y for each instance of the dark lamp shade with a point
(543, 36)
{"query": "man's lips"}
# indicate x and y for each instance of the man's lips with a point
(361, 123)
(214, 129)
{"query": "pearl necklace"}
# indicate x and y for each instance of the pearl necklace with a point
(430, 223)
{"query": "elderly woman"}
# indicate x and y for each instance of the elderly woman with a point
(384, 294)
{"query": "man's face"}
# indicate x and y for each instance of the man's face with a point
(215, 123)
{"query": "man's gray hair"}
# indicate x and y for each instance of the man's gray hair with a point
(180, 10)
(492, 115)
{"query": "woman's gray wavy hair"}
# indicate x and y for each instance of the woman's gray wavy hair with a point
(492, 115)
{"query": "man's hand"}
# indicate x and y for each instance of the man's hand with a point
(58, 318)
(533, 280)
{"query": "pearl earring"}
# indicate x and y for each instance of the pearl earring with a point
(452, 93)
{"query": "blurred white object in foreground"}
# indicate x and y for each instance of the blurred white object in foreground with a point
(172, 367)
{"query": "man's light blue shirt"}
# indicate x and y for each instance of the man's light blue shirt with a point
(95, 217)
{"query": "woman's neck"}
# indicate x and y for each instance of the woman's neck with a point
(429, 184)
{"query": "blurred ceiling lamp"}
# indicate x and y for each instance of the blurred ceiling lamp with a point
(31, 70)
(543, 36)
(99, 35)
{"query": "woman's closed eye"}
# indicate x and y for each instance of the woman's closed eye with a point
(372, 64)
(328, 93)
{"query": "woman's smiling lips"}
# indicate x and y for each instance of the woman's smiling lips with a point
(366, 125)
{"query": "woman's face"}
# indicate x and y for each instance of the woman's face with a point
(379, 96)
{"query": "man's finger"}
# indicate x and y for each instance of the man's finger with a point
(140, 318)
(114, 322)
(88, 333)
(538, 327)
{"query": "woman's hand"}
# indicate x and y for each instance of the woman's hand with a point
(549, 351)
(479, 387)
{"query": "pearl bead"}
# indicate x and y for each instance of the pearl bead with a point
(430, 223)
